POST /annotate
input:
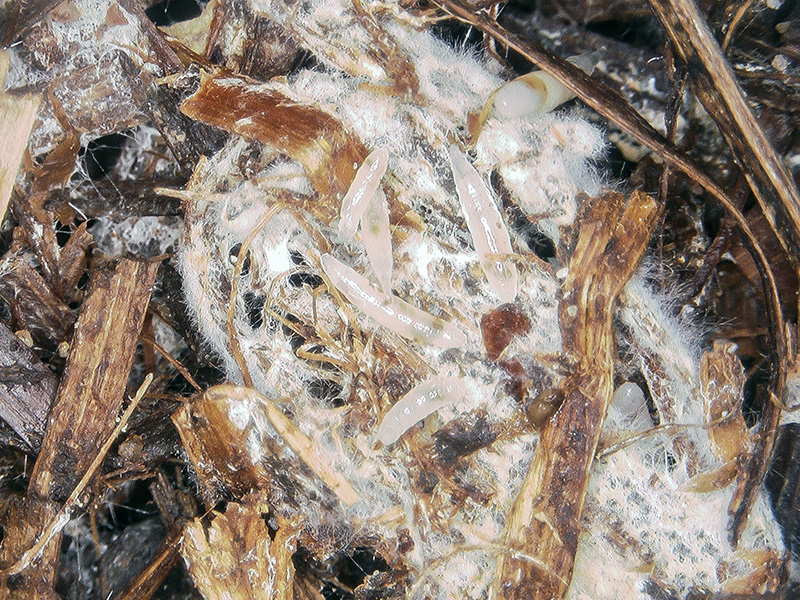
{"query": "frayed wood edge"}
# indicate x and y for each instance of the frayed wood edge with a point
(64, 515)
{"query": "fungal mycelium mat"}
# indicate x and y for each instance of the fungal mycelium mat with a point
(358, 255)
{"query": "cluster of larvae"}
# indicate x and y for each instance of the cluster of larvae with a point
(366, 205)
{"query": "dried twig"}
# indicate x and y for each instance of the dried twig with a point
(545, 521)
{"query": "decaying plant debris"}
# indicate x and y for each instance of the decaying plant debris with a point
(591, 414)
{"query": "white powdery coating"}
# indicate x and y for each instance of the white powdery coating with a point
(377, 239)
(423, 400)
(361, 191)
(485, 223)
(390, 311)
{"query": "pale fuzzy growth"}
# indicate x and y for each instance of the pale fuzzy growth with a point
(377, 239)
(542, 163)
(390, 311)
(485, 223)
(423, 400)
(364, 186)
(654, 333)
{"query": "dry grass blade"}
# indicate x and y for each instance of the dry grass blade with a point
(717, 88)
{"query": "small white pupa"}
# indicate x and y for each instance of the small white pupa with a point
(390, 311)
(485, 224)
(537, 92)
(366, 182)
(423, 400)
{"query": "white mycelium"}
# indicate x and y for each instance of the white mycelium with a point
(485, 223)
(423, 400)
(368, 178)
(390, 311)
(408, 98)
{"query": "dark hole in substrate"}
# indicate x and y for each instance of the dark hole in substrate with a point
(354, 568)
(540, 244)
(332, 592)
(295, 339)
(100, 156)
(641, 33)
(63, 234)
(612, 165)
(168, 12)
(136, 506)
(328, 390)
(302, 278)
(755, 394)
(297, 258)
(254, 305)
(233, 253)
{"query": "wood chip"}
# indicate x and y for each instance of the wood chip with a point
(545, 522)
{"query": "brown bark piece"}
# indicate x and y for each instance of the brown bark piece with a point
(545, 522)
(27, 388)
(73, 258)
(91, 391)
(716, 87)
(33, 304)
(302, 132)
(88, 400)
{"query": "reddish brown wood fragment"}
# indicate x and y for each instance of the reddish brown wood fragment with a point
(73, 258)
(91, 392)
(502, 325)
(545, 521)
(314, 138)
(33, 304)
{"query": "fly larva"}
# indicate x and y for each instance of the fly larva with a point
(366, 182)
(377, 239)
(485, 224)
(390, 311)
(423, 400)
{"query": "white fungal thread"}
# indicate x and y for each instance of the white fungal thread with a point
(377, 239)
(366, 182)
(485, 224)
(423, 400)
(390, 311)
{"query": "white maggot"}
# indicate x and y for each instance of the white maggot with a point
(377, 239)
(423, 400)
(366, 182)
(485, 223)
(390, 311)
